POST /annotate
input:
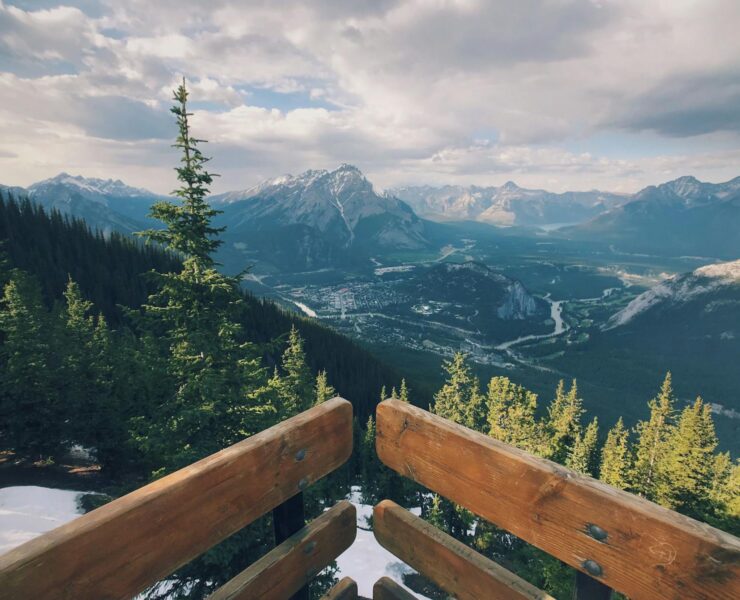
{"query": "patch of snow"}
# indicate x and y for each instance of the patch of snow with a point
(28, 511)
(366, 561)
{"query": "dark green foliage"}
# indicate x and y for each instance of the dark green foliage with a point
(31, 413)
(110, 270)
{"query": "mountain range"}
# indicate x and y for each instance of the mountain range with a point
(333, 218)
(681, 217)
(506, 205)
(318, 219)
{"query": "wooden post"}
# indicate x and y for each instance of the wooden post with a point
(588, 588)
(287, 518)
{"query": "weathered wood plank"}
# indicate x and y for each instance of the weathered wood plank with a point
(346, 589)
(648, 552)
(120, 549)
(453, 566)
(387, 589)
(291, 565)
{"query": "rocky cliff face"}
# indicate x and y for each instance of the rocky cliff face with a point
(518, 303)
(701, 285)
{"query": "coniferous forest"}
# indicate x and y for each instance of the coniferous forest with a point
(146, 353)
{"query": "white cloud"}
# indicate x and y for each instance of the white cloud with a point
(415, 90)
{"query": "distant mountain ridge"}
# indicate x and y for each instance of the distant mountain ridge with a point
(325, 218)
(506, 205)
(681, 217)
(318, 218)
(105, 204)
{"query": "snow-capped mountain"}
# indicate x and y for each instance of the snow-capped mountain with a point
(318, 218)
(506, 205)
(700, 286)
(681, 217)
(105, 204)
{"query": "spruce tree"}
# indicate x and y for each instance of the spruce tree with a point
(459, 399)
(195, 313)
(582, 457)
(296, 381)
(563, 425)
(31, 414)
(615, 457)
(323, 390)
(403, 394)
(689, 463)
(511, 415)
(652, 442)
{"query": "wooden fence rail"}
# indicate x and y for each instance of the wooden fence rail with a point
(291, 565)
(124, 547)
(630, 544)
(457, 569)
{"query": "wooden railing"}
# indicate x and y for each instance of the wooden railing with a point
(616, 540)
(122, 548)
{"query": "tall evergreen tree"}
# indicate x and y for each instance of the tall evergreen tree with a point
(196, 312)
(615, 457)
(323, 389)
(31, 414)
(582, 457)
(297, 383)
(652, 442)
(689, 463)
(511, 415)
(403, 394)
(459, 399)
(563, 424)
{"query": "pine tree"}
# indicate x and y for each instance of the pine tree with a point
(615, 457)
(564, 422)
(511, 415)
(31, 415)
(582, 456)
(403, 394)
(652, 439)
(459, 399)
(296, 381)
(196, 313)
(689, 463)
(323, 390)
(724, 494)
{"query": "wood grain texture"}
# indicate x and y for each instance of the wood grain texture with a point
(346, 589)
(123, 547)
(649, 552)
(291, 565)
(453, 566)
(387, 589)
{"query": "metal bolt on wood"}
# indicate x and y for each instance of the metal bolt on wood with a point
(300, 455)
(596, 532)
(309, 548)
(592, 568)
(303, 484)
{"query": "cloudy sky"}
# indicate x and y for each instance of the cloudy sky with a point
(560, 94)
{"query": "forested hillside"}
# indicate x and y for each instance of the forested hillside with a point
(112, 273)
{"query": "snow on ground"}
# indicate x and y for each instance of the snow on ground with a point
(366, 561)
(28, 511)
